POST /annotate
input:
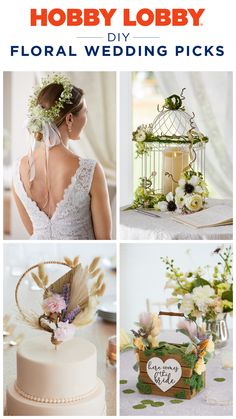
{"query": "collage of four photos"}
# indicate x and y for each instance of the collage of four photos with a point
(118, 243)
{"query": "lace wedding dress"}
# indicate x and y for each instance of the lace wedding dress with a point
(72, 218)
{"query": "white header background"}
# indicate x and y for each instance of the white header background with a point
(217, 29)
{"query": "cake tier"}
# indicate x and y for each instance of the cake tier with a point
(92, 405)
(67, 373)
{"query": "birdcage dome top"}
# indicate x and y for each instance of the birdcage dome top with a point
(173, 121)
(171, 125)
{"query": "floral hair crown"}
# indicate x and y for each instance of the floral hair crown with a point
(37, 115)
(69, 302)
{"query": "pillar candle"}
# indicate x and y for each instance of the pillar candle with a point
(174, 163)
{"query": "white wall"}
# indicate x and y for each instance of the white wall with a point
(143, 273)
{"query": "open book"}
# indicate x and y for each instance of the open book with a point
(219, 215)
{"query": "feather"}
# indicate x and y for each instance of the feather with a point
(93, 265)
(100, 279)
(79, 288)
(37, 280)
(41, 271)
(76, 261)
(68, 261)
(101, 290)
(95, 273)
(45, 280)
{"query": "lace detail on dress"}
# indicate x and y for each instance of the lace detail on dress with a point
(72, 219)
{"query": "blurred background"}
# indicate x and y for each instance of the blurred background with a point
(208, 94)
(142, 276)
(98, 140)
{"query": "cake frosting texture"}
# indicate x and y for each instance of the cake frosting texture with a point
(56, 382)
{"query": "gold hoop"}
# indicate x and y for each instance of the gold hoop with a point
(26, 272)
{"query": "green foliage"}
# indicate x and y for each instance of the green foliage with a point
(228, 295)
(128, 391)
(123, 381)
(199, 282)
(139, 406)
(143, 387)
(146, 401)
(219, 380)
(157, 404)
(181, 394)
(176, 401)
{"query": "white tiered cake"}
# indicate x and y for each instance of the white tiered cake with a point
(60, 382)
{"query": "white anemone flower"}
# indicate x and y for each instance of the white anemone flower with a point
(194, 180)
(162, 206)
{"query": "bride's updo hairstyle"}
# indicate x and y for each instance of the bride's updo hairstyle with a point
(50, 94)
(50, 102)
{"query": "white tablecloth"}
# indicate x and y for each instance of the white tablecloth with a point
(136, 226)
(198, 406)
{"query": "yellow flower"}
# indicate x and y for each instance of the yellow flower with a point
(210, 345)
(138, 342)
(153, 341)
(156, 325)
(193, 202)
(200, 366)
(125, 340)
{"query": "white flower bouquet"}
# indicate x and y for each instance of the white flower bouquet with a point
(205, 293)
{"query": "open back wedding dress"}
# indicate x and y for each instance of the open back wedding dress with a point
(72, 219)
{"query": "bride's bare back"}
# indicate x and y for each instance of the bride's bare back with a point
(62, 165)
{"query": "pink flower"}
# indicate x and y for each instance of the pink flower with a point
(54, 304)
(145, 320)
(64, 331)
(189, 326)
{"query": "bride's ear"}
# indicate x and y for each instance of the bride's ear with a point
(69, 118)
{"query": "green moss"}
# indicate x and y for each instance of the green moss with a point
(180, 394)
(143, 387)
(128, 391)
(219, 380)
(172, 349)
(196, 382)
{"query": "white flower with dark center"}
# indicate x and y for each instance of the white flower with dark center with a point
(171, 205)
(194, 180)
(181, 182)
(198, 189)
(162, 206)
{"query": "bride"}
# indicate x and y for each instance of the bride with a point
(59, 195)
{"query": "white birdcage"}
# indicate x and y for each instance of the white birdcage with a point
(173, 143)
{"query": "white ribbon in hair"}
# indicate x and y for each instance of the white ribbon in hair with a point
(51, 138)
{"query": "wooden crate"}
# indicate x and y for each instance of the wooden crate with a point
(181, 388)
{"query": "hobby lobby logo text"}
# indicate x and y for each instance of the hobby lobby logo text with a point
(95, 17)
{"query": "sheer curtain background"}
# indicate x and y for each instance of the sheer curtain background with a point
(209, 95)
(98, 140)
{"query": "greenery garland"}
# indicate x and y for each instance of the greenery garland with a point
(36, 113)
